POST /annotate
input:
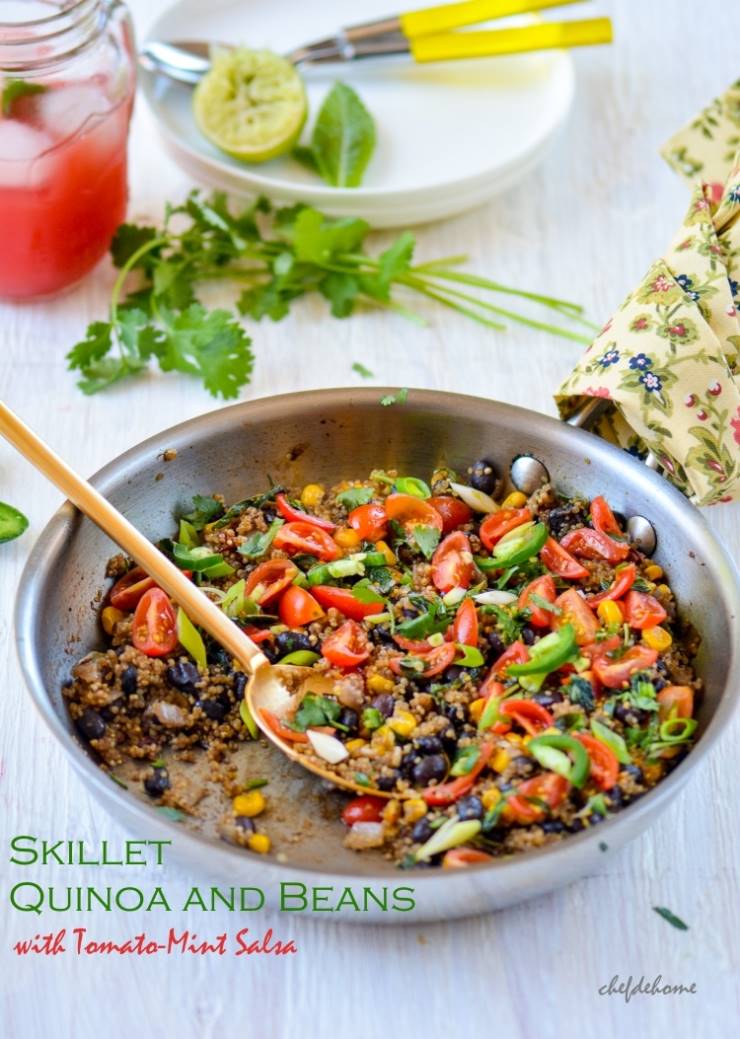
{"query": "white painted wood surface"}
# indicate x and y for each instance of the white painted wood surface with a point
(585, 225)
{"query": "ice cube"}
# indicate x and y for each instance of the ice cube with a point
(19, 146)
(63, 109)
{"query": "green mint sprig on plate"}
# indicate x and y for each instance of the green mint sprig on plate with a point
(274, 256)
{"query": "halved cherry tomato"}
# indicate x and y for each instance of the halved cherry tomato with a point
(615, 674)
(592, 544)
(460, 858)
(414, 646)
(448, 793)
(544, 587)
(603, 518)
(369, 521)
(464, 628)
(305, 537)
(624, 578)
(287, 511)
(643, 611)
(298, 607)
(154, 629)
(347, 646)
(548, 787)
(343, 600)
(454, 513)
(411, 512)
(560, 562)
(604, 764)
(678, 699)
(435, 660)
(516, 653)
(452, 563)
(575, 611)
(365, 809)
(285, 733)
(493, 527)
(127, 590)
(269, 579)
(532, 717)
(257, 634)
(594, 650)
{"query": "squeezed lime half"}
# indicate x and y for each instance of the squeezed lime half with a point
(251, 104)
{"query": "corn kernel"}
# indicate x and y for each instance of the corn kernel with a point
(390, 558)
(110, 617)
(311, 495)
(259, 842)
(657, 638)
(491, 798)
(663, 589)
(514, 737)
(653, 572)
(500, 760)
(379, 684)
(402, 723)
(515, 500)
(610, 613)
(414, 809)
(353, 746)
(249, 804)
(345, 537)
(383, 739)
(476, 708)
(392, 812)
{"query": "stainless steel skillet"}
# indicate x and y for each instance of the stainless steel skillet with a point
(325, 436)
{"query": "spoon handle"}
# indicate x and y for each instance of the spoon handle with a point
(195, 603)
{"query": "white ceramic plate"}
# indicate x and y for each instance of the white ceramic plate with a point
(449, 135)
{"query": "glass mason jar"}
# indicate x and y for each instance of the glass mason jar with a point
(67, 78)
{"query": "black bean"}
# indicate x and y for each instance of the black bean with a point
(470, 808)
(629, 715)
(270, 650)
(595, 818)
(388, 782)
(183, 676)
(564, 517)
(91, 725)
(452, 674)
(429, 768)
(240, 684)
(548, 699)
(384, 703)
(350, 719)
(292, 641)
(496, 643)
(453, 712)
(380, 635)
(522, 765)
(408, 763)
(428, 745)
(129, 680)
(219, 657)
(529, 635)
(615, 797)
(635, 771)
(245, 823)
(576, 826)
(483, 476)
(215, 709)
(156, 784)
(421, 832)
(552, 826)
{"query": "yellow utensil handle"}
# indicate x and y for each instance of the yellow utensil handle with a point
(452, 16)
(450, 45)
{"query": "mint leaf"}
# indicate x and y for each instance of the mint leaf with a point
(17, 88)
(343, 138)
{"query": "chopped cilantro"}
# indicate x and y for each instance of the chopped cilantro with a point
(673, 920)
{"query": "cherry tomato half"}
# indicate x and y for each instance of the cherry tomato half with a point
(154, 629)
(592, 544)
(365, 809)
(643, 611)
(624, 578)
(452, 563)
(532, 717)
(548, 787)
(412, 512)
(257, 634)
(454, 513)
(128, 589)
(677, 700)
(544, 587)
(343, 600)
(269, 579)
(464, 628)
(414, 646)
(615, 674)
(298, 607)
(576, 611)
(293, 515)
(560, 562)
(448, 793)
(603, 518)
(347, 646)
(493, 527)
(435, 660)
(305, 537)
(604, 764)
(516, 653)
(369, 521)
(283, 731)
(460, 858)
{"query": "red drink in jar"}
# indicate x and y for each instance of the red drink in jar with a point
(67, 80)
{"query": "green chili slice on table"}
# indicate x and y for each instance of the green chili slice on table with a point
(12, 522)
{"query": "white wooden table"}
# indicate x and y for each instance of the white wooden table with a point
(585, 225)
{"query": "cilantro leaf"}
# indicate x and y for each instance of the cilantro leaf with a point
(341, 290)
(355, 496)
(203, 511)
(316, 710)
(394, 398)
(426, 540)
(362, 371)
(257, 543)
(127, 240)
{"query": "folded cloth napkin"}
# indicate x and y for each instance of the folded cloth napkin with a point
(668, 359)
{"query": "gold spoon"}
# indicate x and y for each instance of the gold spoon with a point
(266, 688)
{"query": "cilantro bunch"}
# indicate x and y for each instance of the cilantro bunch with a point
(274, 256)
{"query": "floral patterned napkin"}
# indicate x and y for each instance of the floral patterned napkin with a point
(668, 359)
